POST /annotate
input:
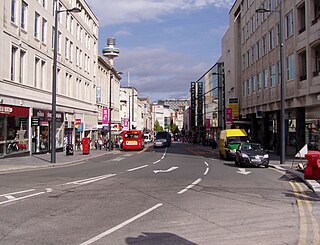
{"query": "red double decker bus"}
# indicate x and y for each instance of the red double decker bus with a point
(132, 140)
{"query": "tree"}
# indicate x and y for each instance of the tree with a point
(174, 129)
(158, 127)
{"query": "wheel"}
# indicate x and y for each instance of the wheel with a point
(267, 165)
(236, 161)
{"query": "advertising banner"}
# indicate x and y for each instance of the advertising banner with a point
(105, 116)
(126, 123)
(229, 116)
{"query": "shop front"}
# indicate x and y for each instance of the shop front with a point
(69, 132)
(91, 127)
(41, 131)
(13, 130)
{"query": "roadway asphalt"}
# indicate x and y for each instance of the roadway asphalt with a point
(43, 161)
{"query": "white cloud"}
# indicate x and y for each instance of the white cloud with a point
(124, 11)
(158, 73)
(123, 33)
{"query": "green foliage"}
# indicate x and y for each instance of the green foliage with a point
(158, 127)
(174, 129)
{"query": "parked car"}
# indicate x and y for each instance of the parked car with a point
(251, 154)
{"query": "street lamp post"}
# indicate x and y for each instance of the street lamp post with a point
(110, 108)
(282, 100)
(54, 81)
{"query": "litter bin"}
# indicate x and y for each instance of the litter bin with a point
(69, 149)
(86, 146)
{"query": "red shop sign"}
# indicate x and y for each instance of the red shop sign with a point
(8, 110)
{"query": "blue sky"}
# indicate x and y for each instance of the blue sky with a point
(164, 44)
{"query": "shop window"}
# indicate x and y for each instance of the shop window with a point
(17, 134)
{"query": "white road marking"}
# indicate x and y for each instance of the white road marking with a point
(133, 169)
(190, 186)
(156, 161)
(206, 164)
(49, 189)
(18, 192)
(90, 180)
(103, 234)
(206, 172)
(165, 171)
(243, 171)
(20, 198)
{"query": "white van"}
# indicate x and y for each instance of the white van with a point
(147, 138)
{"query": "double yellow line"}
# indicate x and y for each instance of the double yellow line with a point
(308, 224)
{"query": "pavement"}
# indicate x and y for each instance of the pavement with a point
(44, 161)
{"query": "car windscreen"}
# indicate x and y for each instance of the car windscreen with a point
(237, 139)
(162, 135)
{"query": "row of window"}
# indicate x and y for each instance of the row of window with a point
(40, 25)
(269, 77)
(68, 86)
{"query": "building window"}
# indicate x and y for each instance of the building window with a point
(290, 67)
(273, 76)
(44, 31)
(316, 12)
(43, 74)
(36, 25)
(36, 72)
(59, 43)
(258, 50)
(13, 11)
(264, 44)
(289, 24)
(302, 18)
(303, 65)
(44, 3)
(271, 39)
(316, 53)
(279, 71)
(254, 84)
(66, 47)
(71, 51)
(278, 34)
(259, 81)
(265, 78)
(22, 65)
(13, 66)
(24, 15)
(244, 88)
(248, 86)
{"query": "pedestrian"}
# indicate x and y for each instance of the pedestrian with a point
(100, 143)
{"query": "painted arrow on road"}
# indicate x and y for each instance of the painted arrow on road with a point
(165, 171)
(243, 171)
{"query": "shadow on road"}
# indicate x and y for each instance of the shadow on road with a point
(154, 238)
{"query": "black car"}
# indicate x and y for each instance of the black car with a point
(251, 154)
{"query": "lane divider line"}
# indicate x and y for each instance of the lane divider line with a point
(133, 169)
(107, 232)
(190, 186)
(206, 172)
(90, 180)
(20, 198)
(156, 161)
